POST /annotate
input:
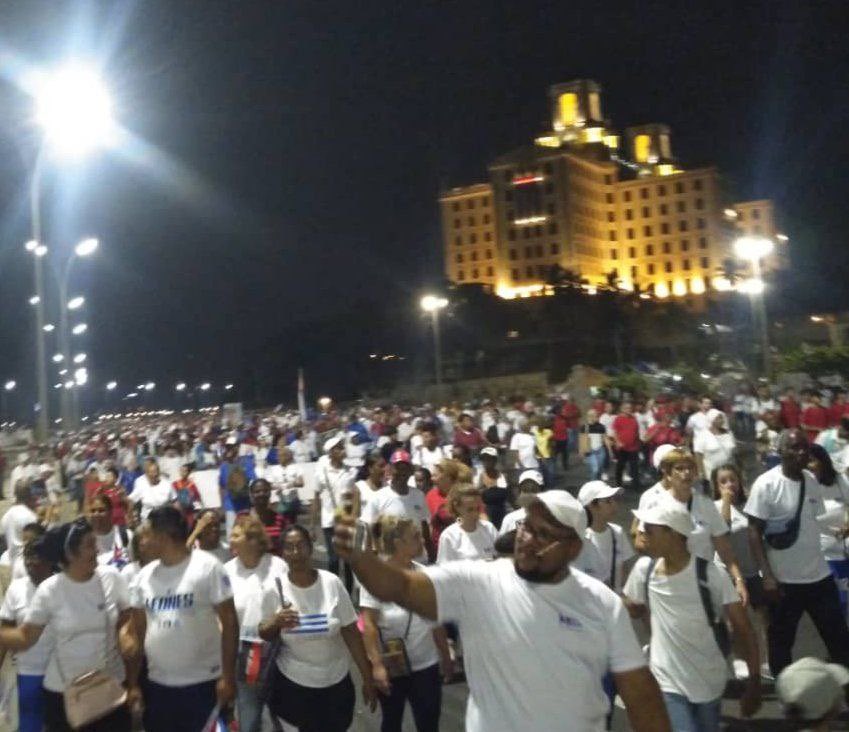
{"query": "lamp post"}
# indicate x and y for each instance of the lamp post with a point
(433, 304)
(84, 248)
(753, 249)
(8, 387)
(74, 111)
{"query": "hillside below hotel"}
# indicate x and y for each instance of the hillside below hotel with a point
(590, 205)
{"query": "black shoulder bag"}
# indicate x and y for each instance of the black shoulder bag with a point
(787, 538)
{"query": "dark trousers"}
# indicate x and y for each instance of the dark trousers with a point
(333, 560)
(633, 461)
(329, 709)
(820, 601)
(178, 708)
(561, 450)
(423, 689)
(56, 721)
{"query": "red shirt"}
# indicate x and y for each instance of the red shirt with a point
(816, 418)
(836, 412)
(571, 414)
(440, 518)
(790, 413)
(560, 428)
(472, 439)
(117, 496)
(661, 434)
(627, 432)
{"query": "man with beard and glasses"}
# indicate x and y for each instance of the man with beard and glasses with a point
(538, 636)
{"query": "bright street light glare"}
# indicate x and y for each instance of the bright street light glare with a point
(76, 302)
(86, 247)
(149, 386)
(69, 384)
(181, 386)
(31, 245)
(112, 385)
(752, 286)
(205, 386)
(73, 107)
(40, 250)
(81, 377)
(753, 248)
(57, 386)
(34, 300)
(431, 303)
(62, 372)
(79, 358)
(10, 384)
(228, 387)
(58, 358)
(79, 329)
(48, 327)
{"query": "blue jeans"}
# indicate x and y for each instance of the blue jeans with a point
(546, 466)
(687, 716)
(596, 460)
(248, 707)
(30, 703)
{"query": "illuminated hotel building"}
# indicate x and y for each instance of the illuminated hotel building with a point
(588, 199)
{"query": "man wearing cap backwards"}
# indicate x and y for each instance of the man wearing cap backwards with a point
(538, 637)
(812, 693)
(334, 485)
(685, 655)
(796, 579)
(398, 499)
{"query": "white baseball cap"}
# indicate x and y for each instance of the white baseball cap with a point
(667, 512)
(594, 490)
(660, 452)
(491, 451)
(565, 509)
(811, 687)
(533, 475)
(332, 442)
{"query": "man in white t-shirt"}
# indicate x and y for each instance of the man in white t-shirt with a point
(399, 499)
(796, 578)
(430, 453)
(558, 630)
(525, 445)
(686, 658)
(699, 420)
(16, 518)
(185, 619)
(150, 490)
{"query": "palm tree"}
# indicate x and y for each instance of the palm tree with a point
(559, 277)
(732, 270)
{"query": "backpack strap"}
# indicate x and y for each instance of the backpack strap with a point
(717, 625)
(612, 583)
(652, 563)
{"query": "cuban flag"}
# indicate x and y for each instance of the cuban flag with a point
(215, 723)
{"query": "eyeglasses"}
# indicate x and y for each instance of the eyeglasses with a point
(541, 534)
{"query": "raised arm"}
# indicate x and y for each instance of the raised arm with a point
(722, 544)
(756, 544)
(409, 589)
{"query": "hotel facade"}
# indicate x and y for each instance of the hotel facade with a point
(587, 199)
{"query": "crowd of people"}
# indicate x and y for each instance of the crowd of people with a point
(455, 547)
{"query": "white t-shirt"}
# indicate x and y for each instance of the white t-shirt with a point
(150, 496)
(456, 543)
(509, 522)
(12, 526)
(249, 587)
(603, 543)
(773, 499)
(739, 536)
(426, 458)
(112, 549)
(129, 572)
(300, 451)
(525, 445)
(331, 485)
(75, 612)
(392, 622)
(685, 658)
(314, 654)
(183, 639)
(697, 422)
(535, 654)
(707, 523)
(386, 502)
(835, 500)
(366, 492)
(16, 602)
(715, 449)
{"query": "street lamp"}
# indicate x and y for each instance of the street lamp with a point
(8, 387)
(111, 386)
(74, 112)
(79, 329)
(79, 358)
(48, 327)
(76, 302)
(228, 387)
(205, 386)
(753, 249)
(433, 304)
(181, 386)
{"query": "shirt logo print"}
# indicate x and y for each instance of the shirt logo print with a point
(572, 623)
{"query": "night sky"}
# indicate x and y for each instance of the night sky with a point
(299, 147)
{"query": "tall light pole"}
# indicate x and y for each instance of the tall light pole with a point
(9, 386)
(74, 111)
(433, 304)
(753, 249)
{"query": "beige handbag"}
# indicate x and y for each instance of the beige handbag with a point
(94, 694)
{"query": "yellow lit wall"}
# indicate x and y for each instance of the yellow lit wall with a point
(568, 108)
(642, 147)
(595, 106)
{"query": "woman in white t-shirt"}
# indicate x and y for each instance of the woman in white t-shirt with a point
(30, 665)
(399, 540)
(470, 537)
(85, 606)
(715, 445)
(113, 542)
(317, 626)
(252, 572)
(370, 480)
